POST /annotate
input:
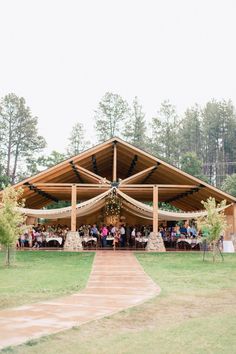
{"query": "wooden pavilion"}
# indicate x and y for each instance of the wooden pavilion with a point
(134, 173)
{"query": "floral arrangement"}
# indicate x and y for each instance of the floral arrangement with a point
(113, 205)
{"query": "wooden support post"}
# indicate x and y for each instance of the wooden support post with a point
(73, 207)
(234, 218)
(155, 209)
(114, 162)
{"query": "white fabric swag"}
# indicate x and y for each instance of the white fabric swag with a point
(129, 204)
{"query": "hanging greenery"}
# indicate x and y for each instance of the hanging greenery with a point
(113, 204)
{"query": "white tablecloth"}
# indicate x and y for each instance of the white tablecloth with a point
(141, 239)
(87, 239)
(228, 246)
(54, 238)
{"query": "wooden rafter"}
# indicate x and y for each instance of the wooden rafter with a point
(76, 172)
(94, 163)
(63, 185)
(114, 172)
(40, 192)
(132, 165)
(185, 194)
(96, 178)
(171, 186)
(131, 179)
(150, 173)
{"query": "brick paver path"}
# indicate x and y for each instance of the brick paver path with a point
(117, 281)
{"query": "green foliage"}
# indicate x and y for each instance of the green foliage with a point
(112, 111)
(11, 219)
(214, 223)
(219, 144)
(135, 128)
(167, 207)
(77, 141)
(190, 132)
(51, 160)
(36, 165)
(165, 137)
(229, 185)
(58, 205)
(190, 163)
(19, 135)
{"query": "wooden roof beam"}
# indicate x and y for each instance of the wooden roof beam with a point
(131, 179)
(132, 165)
(151, 172)
(185, 194)
(76, 172)
(171, 186)
(40, 192)
(94, 176)
(63, 185)
(94, 163)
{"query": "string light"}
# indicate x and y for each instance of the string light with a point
(113, 204)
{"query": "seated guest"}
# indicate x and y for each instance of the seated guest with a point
(94, 231)
(183, 230)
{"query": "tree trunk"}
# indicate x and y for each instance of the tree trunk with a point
(15, 163)
(8, 255)
(9, 150)
(214, 250)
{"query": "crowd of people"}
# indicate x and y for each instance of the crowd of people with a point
(105, 235)
(38, 236)
(122, 235)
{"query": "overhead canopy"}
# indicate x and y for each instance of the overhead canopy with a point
(136, 171)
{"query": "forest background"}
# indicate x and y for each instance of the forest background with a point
(202, 141)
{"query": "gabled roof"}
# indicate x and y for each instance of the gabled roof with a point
(94, 168)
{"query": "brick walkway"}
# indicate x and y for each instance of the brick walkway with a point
(117, 281)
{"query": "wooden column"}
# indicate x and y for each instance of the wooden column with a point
(234, 218)
(73, 207)
(114, 162)
(155, 209)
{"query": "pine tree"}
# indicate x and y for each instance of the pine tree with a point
(112, 111)
(165, 136)
(219, 143)
(77, 141)
(135, 128)
(19, 134)
(190, 133)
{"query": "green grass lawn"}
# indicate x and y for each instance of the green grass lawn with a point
(39, 275)
(195, 313)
